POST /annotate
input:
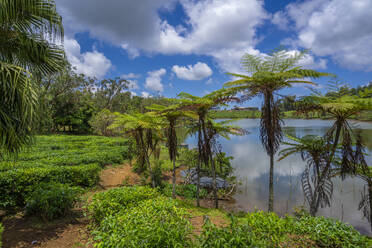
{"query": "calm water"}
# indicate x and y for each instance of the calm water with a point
(251, 165)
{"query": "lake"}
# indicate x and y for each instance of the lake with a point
(251, 165)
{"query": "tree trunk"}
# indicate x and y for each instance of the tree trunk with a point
(327, 167)
(198, 183)
(174, 179)
(214, 181)
(370, 202)
(271, 184)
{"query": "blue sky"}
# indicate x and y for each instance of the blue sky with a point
(168, 46)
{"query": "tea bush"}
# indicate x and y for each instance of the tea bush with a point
(262, 229)
(15, 185)
(185, 190)
(153, 223)
(73, 160)
(112, 201)
(52, 200)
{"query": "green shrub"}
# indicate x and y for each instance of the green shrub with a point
(16, 184)
(327, 232)
(153, 223)
(185, 190)
(52, 200)
(232, 236)
(112, 201)
(260, 229)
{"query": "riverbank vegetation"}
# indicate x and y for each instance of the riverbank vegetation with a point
(46, 173)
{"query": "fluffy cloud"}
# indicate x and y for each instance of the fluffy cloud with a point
(133, 85)
(145, 94)
(153, 81)
(193, 72)
(130, 76)
(92, 64)
(210, 26)
(341, 29)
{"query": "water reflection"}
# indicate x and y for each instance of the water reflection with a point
(251, 165)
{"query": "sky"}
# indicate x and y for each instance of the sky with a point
(164, 47)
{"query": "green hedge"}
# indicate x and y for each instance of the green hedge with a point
(52, 200)
(16, 184)
(112, 201)
(261, 229)
(153, 223)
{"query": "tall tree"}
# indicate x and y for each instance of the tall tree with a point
(315, 151)
(28, 31)
(266, 76)
(341, 134)
(172, 114)
(201, 106)
(143, 128)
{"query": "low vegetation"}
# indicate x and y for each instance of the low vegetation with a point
(72, 160)
(52, 200)
(142, 217)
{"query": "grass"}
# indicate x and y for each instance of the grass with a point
(67, 150)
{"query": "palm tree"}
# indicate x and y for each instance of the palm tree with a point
(340, 134)
(171, 114)
(315, 151)
(364, 172)
(266, 76)
(28, 29)
(144, 129)
(201, 106)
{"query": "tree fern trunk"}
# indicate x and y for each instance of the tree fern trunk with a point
(174, 179)
(370, 202)
(271, 184)
(214, 181)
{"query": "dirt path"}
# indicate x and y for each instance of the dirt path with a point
(72, 231)
(69, 232)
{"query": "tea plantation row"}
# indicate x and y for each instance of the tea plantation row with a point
(143, 217)
(72, 160)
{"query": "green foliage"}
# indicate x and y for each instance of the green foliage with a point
(152, 223)
(16, 184)
(52, 200)
(110, 202)
(262, 229)
(233, 114)
(185, 190)
(74, 160)
(101, 121)
(29, 31)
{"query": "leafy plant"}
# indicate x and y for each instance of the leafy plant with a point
(153, 223)
(185, 190)
(16, 184)
(52, 200)
(266, 76)
(112, 201)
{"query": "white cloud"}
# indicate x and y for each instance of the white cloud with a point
(133, 93)
(309, 61)
(92, 64)
(280, 20)
(145, 94)
(130, 76)
(133, 85)
(193, 72)
(153, 81)
(341, 29)
(221, 29)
